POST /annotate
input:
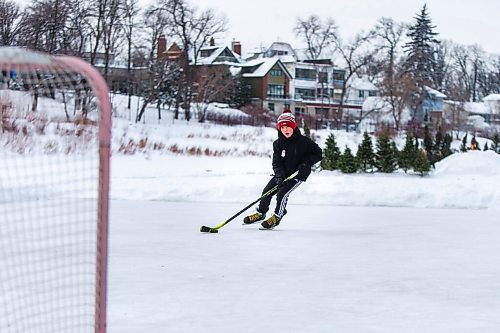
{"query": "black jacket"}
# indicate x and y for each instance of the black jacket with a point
(295, 153)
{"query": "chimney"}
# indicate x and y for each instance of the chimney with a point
(236, 46)
(212, 41)
(162, 47)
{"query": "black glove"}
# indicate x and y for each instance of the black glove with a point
(279, 180)
(304, 171)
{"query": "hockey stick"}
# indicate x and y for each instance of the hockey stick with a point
(268, 193)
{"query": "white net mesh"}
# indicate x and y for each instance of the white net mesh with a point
(51, 241)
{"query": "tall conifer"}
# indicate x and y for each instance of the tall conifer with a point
(331, 154)
(385, 158)
(365, 155)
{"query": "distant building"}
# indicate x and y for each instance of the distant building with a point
(431, 110)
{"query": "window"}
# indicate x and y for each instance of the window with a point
(323, 77)
(372, 93)
(305, 74)
(302, 93)
(276, 72)
(205, 53)
(270, 106)
(361, 93)
(275, 90)
(339, 76)
(299, 111)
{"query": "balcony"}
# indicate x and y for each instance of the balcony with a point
(278, 96)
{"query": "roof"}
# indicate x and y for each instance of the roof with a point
(434, 92)
(218, 50)
(477, 108)
(362, 84)
(264, 66)
(492, 97)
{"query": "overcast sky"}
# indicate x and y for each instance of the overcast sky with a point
(260, 22)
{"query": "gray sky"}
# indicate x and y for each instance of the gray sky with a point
(260, 22)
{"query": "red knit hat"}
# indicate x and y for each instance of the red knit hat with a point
(287, 119)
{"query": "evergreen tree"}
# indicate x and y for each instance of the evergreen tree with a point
(331, 154)
(307, 131)
(365, 155)
(429, 146)
(347, 162)
(463, 146)
(422, 165)
(396, 152)
(421, 49)
(242, 94)
(437, 149)
(446, 148)
(385, 159)
(495, 146)
(407, 156)
(485, 148)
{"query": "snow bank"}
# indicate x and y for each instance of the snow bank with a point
(468, 180)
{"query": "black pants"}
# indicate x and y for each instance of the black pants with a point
(281, 197)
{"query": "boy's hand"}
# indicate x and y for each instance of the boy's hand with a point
(279, 180)
(304, 171)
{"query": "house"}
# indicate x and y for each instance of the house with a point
(269, 80)
(492, 103)
(431, 109)
(359, 89)
(315, 86)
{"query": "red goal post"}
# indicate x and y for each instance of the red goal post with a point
(55, 128)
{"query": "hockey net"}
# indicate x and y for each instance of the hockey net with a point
(54, 182)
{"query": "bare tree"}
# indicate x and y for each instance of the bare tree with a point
(214, 85)
(10, 18)
(468, 63)
(129, 25)
(396, 86)
(356, 54)
(318, 35)
(160, 86)
(193, 31)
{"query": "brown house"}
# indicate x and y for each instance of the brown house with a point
(270, 83)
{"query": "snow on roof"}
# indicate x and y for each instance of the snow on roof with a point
(210, 60)
(362, 84)
(476, 108)
(492, 97)
(435, 92)
(376, 103)
(265, 65)
(235, 70)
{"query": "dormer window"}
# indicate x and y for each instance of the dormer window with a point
(205, 53)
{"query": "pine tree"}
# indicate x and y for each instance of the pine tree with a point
(307, 131)
(242, 94)
(407, 156)
(385, 159)
(495, 146)
(365, 155)
(347, 163)
(420, 50)
(485, 148)
(331, 154)
(437, 149)
(422, 165)
(446, 148)
(429, 146)
(463, 146)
